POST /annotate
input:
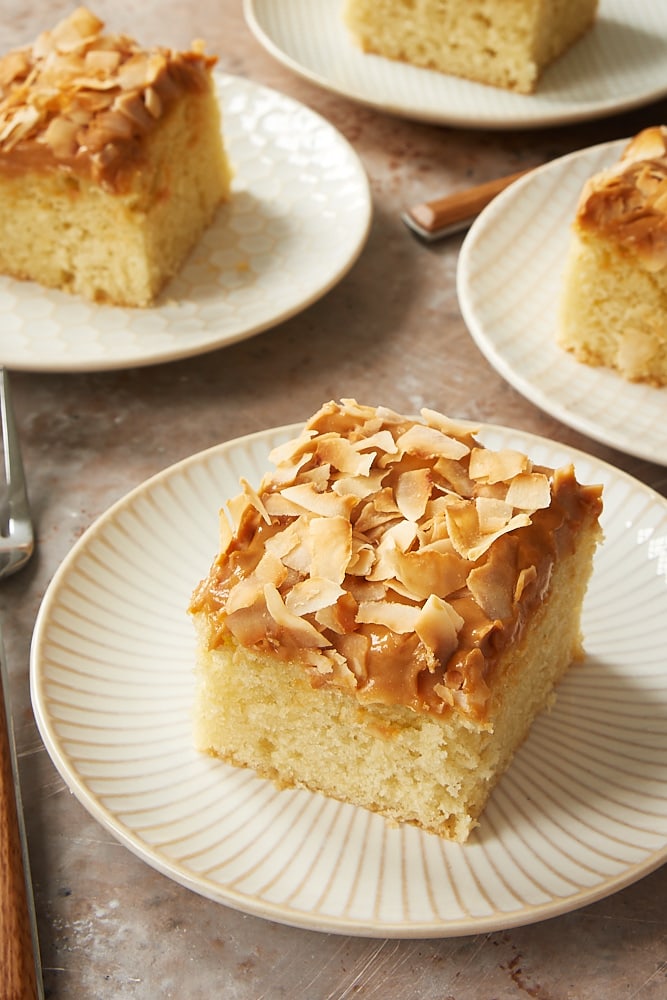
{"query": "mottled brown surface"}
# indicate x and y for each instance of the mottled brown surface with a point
(390, 332)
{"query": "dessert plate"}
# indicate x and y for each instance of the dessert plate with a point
(509, 283)
(581, 813)
(298, 219)
(616, 66)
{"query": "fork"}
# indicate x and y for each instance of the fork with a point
(19, 948)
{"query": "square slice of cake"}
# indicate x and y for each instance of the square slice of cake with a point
(504, 43)
(389, 611)
(112, 161)
(613, 309)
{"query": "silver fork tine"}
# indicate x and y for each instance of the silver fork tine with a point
(16, 532)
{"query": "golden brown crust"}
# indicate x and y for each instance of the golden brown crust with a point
(83, 101)
(395, 557)
(627, 203)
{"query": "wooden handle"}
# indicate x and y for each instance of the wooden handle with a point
(17, 963)
(461, 206)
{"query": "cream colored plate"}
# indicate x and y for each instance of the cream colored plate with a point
(581, 813)
(509, 283)
(297, 222)
(618, 65)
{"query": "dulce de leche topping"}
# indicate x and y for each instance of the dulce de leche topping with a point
(83, 101)
(627, 203)
(394, 557)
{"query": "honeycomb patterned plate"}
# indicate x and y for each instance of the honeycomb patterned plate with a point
(298, 220)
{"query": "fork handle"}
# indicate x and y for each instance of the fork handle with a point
(462, 205)
(19, 979)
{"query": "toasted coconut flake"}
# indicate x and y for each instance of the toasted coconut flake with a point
(242, 595)
(278, 505)
(311, 595)
(452, 428)
(81, 26)
(153, 102)
(493, 514)
(361, 559)
(249, 590)
(18, 125)
(395, 540)
(325, 504)
(437, 625)
(429, 572)
(381, 441)
(445, 693)
(249, 625)
(293, 451)
(104, 61)
(341, 455)
(428, 442)
(318, 477)
(343, 676)
(413, 491)
(330, 543)
(355, 647)
(14, 65)
(61, 136)
(254, 499)
(270, 569)
(465, 533)
(400, 618)
(462, 526)
(529, 491)
(359, 487)
(492, 583)
(133, 108)
(497, 466)
(527, 576)
(339, 617)
(297, 630)
(225, 531)
(455, 476)
(237, 507)
(322, 662)
(291, 546)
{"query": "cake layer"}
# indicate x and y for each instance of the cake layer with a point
(433, 772)
(505, 43)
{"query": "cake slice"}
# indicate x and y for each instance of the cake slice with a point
(504, 43)
(613, 308)
(112, 161)
(389, 611)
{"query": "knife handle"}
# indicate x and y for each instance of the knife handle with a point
(19, 977)
(460, 206)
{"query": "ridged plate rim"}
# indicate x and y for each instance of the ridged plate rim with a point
(509, 282)
(616, 67)
(111, 678)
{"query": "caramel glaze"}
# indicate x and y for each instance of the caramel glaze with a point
(397, 667)
(627, 203)
(111, 144)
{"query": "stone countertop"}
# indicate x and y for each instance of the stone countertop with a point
(390, 332)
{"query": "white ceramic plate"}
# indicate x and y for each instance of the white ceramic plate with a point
(581, 813)
(618, 65)
(297, 222)
(509, 280)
